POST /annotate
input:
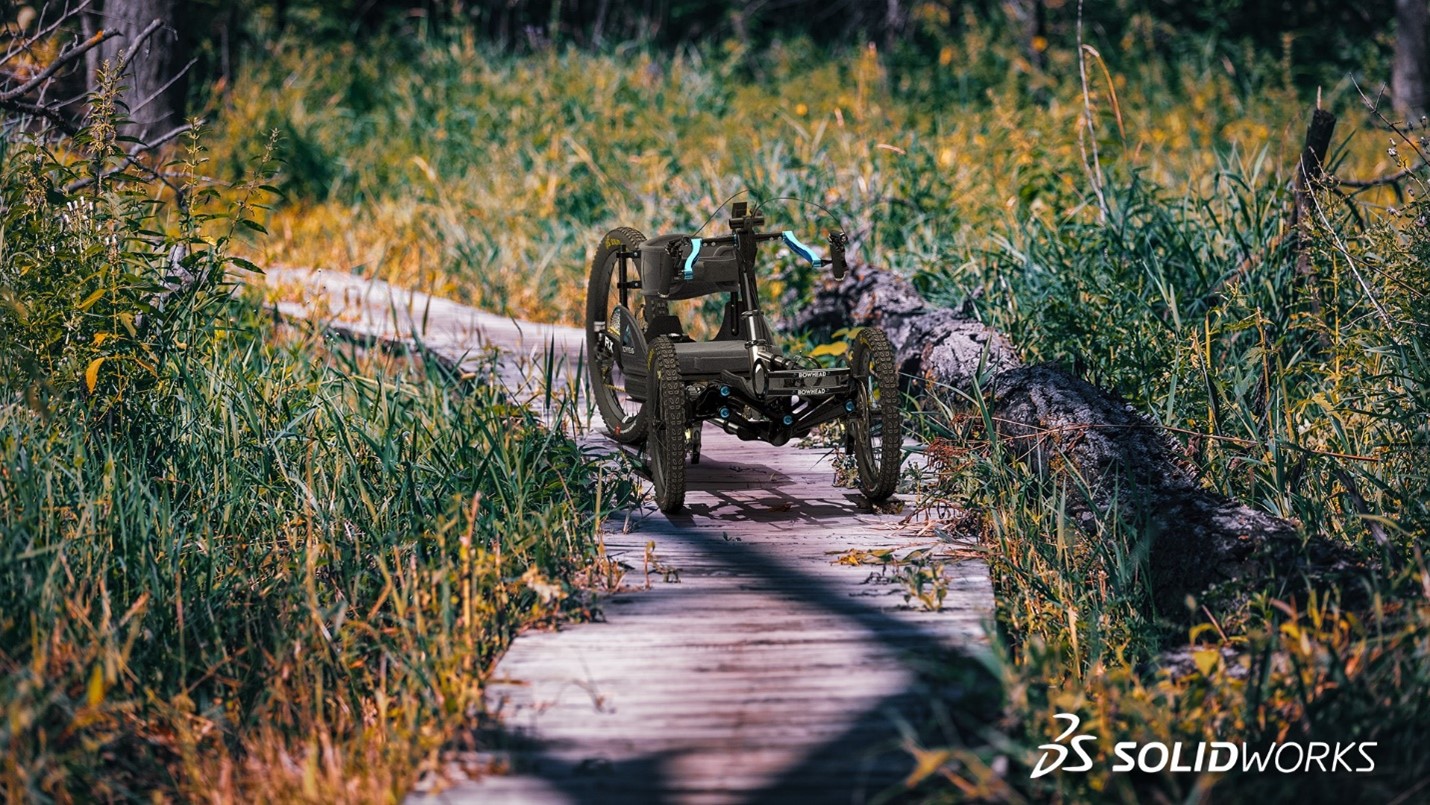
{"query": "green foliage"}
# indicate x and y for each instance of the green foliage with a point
(1193, 309)
(300, 544)
(240, 505)
(233, 561)
(1316, 31)
(483, 174)
(83, 280)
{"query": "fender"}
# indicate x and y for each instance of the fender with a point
(631, 351)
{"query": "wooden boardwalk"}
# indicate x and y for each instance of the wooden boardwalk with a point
(741, 661)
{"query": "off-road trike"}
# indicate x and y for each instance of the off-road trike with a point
(656, 386)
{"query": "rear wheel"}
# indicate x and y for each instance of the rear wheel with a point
(608, 382)
(875, 424)
(667, 423)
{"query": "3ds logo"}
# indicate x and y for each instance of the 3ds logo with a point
(1059, 753)
(1284, 757)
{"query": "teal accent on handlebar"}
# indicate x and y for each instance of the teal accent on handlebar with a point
(690, 261)
(799, 248)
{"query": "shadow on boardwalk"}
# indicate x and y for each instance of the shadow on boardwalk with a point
(948, 696)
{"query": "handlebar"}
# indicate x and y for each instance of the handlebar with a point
(799, 248)
(685, 250)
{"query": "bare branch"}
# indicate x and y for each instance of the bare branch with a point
(131, 160)
(163, 89)
(164, 138)
(18, 99)
(73, 99)
(163, 176)
(133, 49)
(65, 16)
(59, 63)
(1374, 107)
(26, 108)
(1381, 181)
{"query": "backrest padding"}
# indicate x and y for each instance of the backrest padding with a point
(716, 270)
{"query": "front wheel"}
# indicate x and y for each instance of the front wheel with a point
(666, 420)
(875, 426)
(610, 386)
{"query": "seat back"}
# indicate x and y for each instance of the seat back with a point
(716, 269)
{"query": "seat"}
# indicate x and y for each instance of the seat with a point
(712, 357)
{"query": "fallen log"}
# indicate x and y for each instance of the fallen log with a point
(1198, 543)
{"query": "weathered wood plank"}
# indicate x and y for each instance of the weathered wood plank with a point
(767, 672)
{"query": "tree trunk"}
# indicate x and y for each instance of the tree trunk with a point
(1029, 19)
(1197, 540)
(152, 88)
(1407, 72)
(1310, 172)
(893, 24)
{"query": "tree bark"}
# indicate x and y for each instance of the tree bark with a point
(153, 90)
(1408, 70)
(1197, 541)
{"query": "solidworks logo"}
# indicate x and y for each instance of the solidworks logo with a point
(1211, 756)
(1060, 752)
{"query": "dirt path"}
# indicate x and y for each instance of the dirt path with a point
(742, 662)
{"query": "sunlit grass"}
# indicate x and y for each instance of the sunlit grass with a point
(1191, 307)
(488, 176)
(239, 561)
(314, 568)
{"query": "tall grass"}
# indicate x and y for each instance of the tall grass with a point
(1190, 306)
(235, 560)
(487, 174)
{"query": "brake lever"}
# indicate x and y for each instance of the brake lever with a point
(688, 246)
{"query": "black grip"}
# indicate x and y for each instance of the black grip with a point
(837, 242)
